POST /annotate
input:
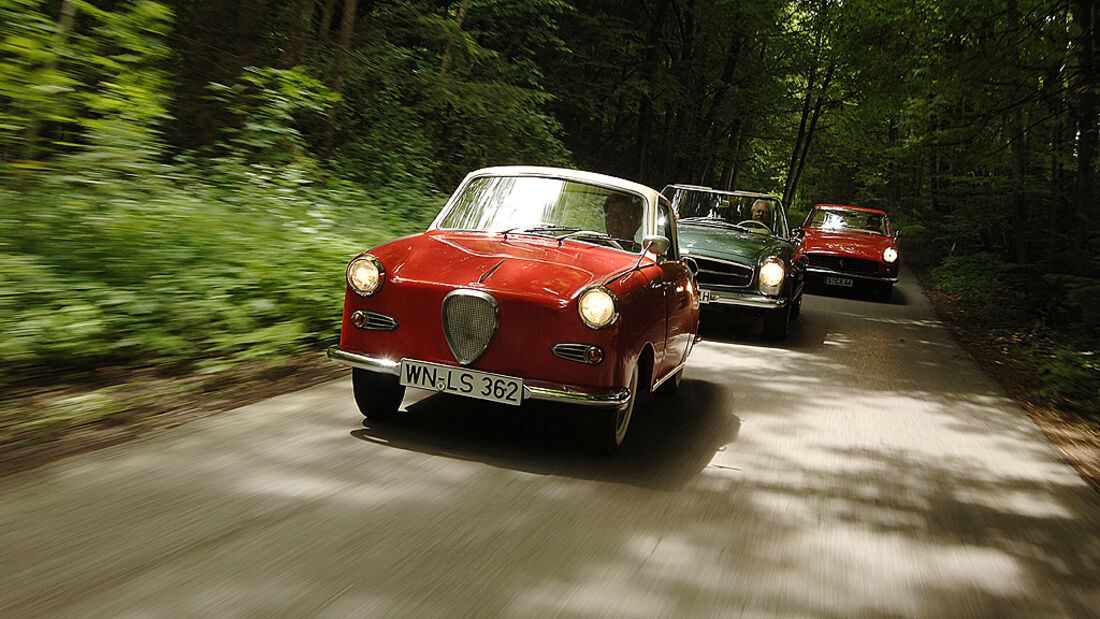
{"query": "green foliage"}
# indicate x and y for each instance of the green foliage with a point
(188, 272)
(1074, 376)
(270, 104)
(85, 95)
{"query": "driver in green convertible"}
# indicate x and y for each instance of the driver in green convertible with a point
(762, 212)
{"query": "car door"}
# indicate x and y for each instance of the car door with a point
(681, 321)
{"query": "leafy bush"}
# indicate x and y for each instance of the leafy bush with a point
(1070, 375)
(182, 272)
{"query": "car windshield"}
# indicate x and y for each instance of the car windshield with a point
(848, 220)
(758, 214)
(549, 207)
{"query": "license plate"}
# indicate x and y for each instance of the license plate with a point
(838, 281)
(705, 296)
(461, 381)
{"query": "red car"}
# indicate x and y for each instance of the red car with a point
(850, 246)
(532, 283)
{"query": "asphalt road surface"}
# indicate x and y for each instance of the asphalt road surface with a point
(864, 467)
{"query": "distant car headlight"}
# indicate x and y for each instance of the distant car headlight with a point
(771, 276)
(365, 275)
(889, 254)
(598, 307)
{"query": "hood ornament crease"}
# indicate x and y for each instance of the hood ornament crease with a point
(487, 274)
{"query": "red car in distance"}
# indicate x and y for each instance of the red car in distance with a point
(532, 283)
(850, 246)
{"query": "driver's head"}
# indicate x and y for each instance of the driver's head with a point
(762, 212)
(622, 216)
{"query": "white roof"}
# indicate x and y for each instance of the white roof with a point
(592, 178)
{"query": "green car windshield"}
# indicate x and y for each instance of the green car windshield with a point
(549, 207)
(752, 213)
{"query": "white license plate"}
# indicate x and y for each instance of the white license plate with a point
(461, 381)
(838, 281)
(705, 296)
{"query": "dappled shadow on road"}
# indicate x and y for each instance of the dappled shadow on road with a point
(862, 468)
(670, 440)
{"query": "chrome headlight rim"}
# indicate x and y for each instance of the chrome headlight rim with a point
(614, 317)
(890, 255)
(773, 288)
(378, 267)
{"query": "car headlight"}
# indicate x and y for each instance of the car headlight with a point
(771, 276)
(889, 254)
(365, 275)
(598, 307)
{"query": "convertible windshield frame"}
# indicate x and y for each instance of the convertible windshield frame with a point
(713, 207)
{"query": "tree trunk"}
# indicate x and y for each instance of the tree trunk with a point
(299, 32)
(805, 135)
(449, 50)
(343, 49)
(326, 20)
(1084, 86)
(60, 36)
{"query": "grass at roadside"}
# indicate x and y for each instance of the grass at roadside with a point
(119, 303)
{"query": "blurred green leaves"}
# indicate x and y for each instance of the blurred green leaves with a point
(180, 272)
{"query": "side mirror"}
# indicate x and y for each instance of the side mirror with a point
(692, 265)
(656, 243)
(798, 233)
(897, 233)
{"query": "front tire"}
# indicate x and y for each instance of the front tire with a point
(613, 424)
(378, 396)
(796, 307)
(777, 323)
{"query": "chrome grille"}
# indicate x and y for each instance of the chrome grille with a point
(379, 322)
(844, 264)
(714, 272)
(470, 320)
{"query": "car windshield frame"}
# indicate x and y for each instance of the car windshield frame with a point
(839, 219)
(561, 208)
(728, 209)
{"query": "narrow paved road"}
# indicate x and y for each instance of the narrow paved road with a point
(865, 467)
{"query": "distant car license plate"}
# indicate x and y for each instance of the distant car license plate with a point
(705, 296)
(838, 281)
(461, 381)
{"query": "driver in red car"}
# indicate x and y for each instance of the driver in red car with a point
(622, 217)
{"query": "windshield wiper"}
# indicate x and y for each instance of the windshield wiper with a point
(602, 236)
(703, 218)
(538, 230)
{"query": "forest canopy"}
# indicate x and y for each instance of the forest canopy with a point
(975, 125)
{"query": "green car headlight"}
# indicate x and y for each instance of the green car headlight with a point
(771, 276)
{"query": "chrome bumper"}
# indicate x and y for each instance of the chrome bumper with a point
(745, 299)
(530, 392)
(867, 278)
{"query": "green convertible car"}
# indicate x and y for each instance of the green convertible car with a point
(748, 260)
